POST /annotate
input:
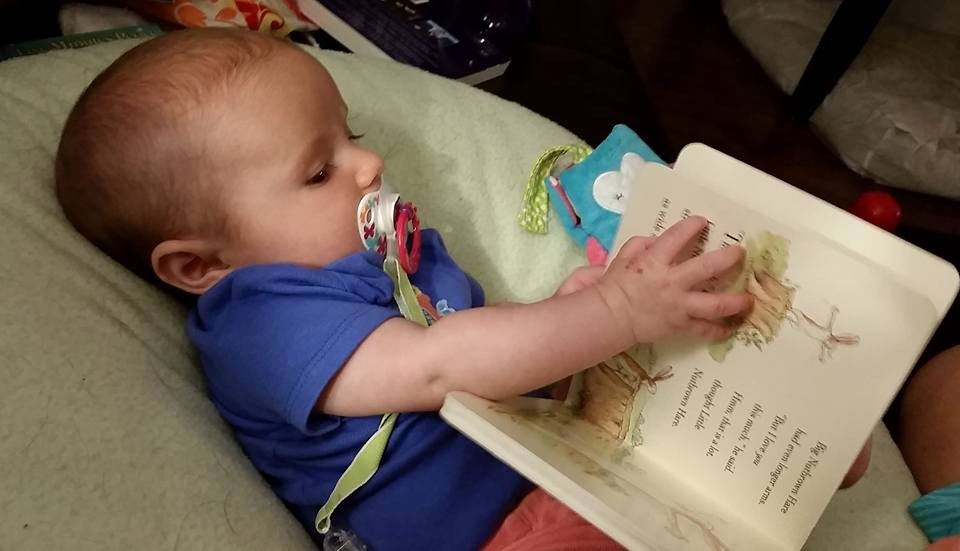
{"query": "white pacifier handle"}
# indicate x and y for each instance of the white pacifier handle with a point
(386, 208)
(375, 220)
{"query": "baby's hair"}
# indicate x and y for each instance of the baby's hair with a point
(132, 169)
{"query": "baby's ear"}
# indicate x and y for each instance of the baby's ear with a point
(190, 265)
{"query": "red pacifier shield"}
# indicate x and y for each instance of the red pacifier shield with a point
(408, 237)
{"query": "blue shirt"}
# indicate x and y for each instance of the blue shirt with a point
(271, 337)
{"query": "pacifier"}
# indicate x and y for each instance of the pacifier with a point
(390, 226)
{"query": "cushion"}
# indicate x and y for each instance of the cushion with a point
(895, 114)
(107, 439)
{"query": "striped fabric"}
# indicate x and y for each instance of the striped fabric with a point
(938, 513)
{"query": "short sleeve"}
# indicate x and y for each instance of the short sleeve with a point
(477, 298)
(272, 337)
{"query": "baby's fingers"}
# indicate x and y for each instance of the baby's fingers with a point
(713, 306)
(669, 244)
(635, 246)
(710, 330)
(697, 270)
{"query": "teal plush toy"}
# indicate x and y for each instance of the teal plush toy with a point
(590, 194)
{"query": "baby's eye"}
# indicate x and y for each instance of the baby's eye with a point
(320, 177)
(354, 137)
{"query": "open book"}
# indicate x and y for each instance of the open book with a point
(738, 444)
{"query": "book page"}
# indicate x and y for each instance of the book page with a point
(769, 421)
(636, 502)
(743, 184)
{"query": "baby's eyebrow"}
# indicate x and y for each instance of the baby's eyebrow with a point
(310, 149)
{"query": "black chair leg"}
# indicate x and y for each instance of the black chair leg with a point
(845, 36)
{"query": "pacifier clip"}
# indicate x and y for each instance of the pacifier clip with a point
(392, 228)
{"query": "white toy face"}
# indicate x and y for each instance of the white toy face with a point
(611, 190)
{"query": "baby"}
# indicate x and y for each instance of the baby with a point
(221, 164)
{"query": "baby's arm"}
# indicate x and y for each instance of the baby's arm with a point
(502, 352)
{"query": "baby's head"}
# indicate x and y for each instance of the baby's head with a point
(200, 152)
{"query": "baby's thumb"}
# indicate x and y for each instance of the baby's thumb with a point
(581, 278)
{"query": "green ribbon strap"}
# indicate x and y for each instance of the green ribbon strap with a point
(367, 461)
(535, 206)
(360, 470)
(404, 293)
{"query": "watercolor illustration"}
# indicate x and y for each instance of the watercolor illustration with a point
(704, 528)
(764, 276)
(612, 394)
(601, 456)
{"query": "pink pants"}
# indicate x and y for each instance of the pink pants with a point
(541, 523)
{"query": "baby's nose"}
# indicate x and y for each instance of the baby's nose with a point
(375, 183)
(369, 176)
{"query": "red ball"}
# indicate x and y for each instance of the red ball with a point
(879, 208)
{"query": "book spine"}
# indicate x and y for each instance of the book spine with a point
(77, 41)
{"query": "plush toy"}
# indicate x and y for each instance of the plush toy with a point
(589, 194)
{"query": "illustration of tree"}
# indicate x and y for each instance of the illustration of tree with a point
(763, 276)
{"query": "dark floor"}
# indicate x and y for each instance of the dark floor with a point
(675, 73)
(22, 20)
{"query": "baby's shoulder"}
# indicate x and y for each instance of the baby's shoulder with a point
(256, 298)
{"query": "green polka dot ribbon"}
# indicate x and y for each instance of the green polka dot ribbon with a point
(535, 207)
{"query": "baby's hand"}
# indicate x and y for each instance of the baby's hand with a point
(656, 299)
